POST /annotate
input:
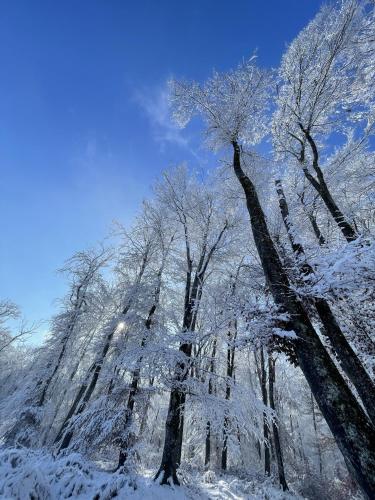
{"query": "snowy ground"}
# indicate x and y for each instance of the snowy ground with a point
(26, 474)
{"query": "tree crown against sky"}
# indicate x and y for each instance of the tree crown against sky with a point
(230, 327)
(84, 107)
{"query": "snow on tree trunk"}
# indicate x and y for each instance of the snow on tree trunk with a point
(354, 434)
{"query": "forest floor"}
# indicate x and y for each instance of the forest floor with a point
(37, 475)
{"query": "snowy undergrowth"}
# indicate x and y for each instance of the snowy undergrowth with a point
(37, 475)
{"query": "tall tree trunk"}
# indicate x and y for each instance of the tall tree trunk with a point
(301, 450)
(80, 297)
(207, 445)
(142, 427)
(361, 324)
(354, 434)
(174, 426)
(87, 388)
(348, 359)
(321, 187)
(266, 437)
(275, 428)
(68, 386)
(207, 454)
(292, 436)
(27, 417)
(312, 218)
(46, 384)
(316, 229)
(172, 442)
(230, 376)
(136, 375)
(318, 447)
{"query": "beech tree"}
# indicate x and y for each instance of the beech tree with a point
(83, 271)
(321, 92)
(225, 338)
(143, 250)
(201, 208)
(165, 236)
(233, 106)
(350, 363)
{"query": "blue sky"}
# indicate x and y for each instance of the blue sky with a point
(84, 126)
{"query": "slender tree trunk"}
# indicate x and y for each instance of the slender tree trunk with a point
(71, 378)
(87, 388)
(83, 396)
(346, 229)
(142, 427)
(207, 454)
(354, 434)
(292, 435)
(275, 429)
(312, 218)
(174, 425)
(348, 359)
(207, 447)
(230, 372)
(224, 449)
(134, 387)
(316, 229)
(318, 447)
(257, 441)
(49, 379)
(266, 437)
(129, 439)
(321, 187)
(301, 450)
(80, 301)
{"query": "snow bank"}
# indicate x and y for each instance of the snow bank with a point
(37, 475)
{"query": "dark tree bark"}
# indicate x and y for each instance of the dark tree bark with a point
(174, 426)
(86, 390)
(322, 189)
(361, 324)
(353, 432)
(207, 448)
(65, 391)
(129, 439)
(207, 454)
(64, 341)
(316, 229)
(275, 428)
(79, 303)
(348, 359)
(142, 427)
(312, 218)
(230, 376)
(78, 300)
(172, 443)
(292, 435)
(318, 447)
(262, 375)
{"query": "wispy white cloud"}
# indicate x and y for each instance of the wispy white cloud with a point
(155, 104)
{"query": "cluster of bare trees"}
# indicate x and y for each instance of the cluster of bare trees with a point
(232, 326)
